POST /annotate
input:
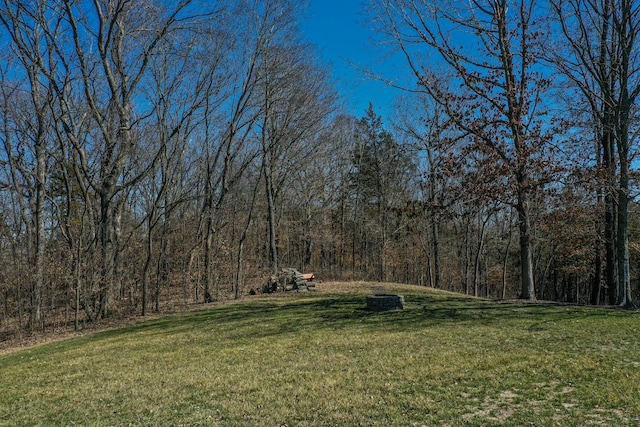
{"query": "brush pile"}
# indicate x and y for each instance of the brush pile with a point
(290, 280)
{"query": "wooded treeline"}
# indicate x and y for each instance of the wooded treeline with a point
(161, 153)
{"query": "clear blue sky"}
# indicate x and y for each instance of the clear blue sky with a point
(339, 30)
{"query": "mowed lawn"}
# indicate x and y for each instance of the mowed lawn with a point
(322, 359)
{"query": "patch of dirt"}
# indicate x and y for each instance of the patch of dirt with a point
(498, 409)
(492, 409)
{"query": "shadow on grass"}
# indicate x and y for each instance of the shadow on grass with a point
(265, 318)
(281, 316)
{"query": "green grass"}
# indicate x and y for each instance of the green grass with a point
(323, 360)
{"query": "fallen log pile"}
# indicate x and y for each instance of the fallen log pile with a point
(290, 280)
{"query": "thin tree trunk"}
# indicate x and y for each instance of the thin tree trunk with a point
(476, 267)
(467, 257)
(239, 279)
(382, 269)
(161, 268)
(106, 254)
(505, 260)
(597, 272)
(271, 220)
(77, 281)
(208, 251)
(596, 285)
(435, 235)
(36, 291)
(147, 265)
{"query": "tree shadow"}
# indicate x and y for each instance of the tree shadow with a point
(336, 312)
(272, 317)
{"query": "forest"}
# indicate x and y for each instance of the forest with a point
(161, 153)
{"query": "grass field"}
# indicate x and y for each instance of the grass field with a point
(322, 359)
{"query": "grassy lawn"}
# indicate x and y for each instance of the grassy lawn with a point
(321, 359)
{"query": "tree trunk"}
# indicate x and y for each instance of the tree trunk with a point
(239, 279)
(478, 257)
(597, 272)
(106, 254)
(208, 250)
(467, 256)
(611, 276)
(433, 210)
(76, 309)
(526, 263)
(38, 282)
(435, 243)
(382, 265)
(147, 265)
(271, 220)
(505, 261)
(161, 268)
(627, 31)
(624, 281)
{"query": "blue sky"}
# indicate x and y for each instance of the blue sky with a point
(338, 28)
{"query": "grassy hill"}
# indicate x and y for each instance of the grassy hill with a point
(322, 359)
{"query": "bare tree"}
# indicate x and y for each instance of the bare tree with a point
(600, 59)
(113, 44)
(179, 86)
(25, 25)
(424, 124)
(16, 186)
(228, 150)
(495, 94)
(295, 101)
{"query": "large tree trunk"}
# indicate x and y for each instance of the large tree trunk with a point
(526, 263)
(608, 150)
(505, 260)
(611, 276)
(627, 32)
(624, 281)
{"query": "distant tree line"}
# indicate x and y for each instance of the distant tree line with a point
(163, 153)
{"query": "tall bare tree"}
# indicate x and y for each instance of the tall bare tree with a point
(228, 148)
(181, 83)
(425, 126)
(495, 94)
(114, 41)
(27, 26)
(600, 58)
(295, 102)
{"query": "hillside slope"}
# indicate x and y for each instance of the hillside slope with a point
(322, 359)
